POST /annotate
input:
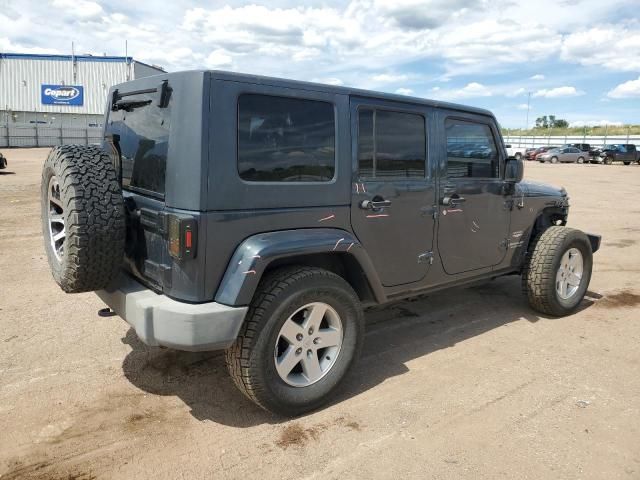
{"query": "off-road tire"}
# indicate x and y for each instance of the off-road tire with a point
(93, 213)
(250, 360)
(541, 266)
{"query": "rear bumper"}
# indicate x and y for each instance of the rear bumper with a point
(161, 321)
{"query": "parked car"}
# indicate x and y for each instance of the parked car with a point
(583, 147)
(563, 155)
(529, 152)
(541, 150)
(594, 153)
(625, 153)
(515, 152)
(3, 161)
(229, 211)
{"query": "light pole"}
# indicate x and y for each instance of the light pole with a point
(526, 127)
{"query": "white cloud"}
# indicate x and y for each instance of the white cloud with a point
(594, 123)
(328, 81)
(78, 8)
(218, 58)
(630, 89)
(390, 78)
(516, 93)
(537, 76)
(613, 47)
(558, 92)
(524, 106)
(471, 90)
(404, 91)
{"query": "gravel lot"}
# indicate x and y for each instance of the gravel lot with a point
(467, 383)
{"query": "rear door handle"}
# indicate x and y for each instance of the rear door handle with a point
(374, 205)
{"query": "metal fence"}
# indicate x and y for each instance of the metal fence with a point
(47, 136)
(523, 142)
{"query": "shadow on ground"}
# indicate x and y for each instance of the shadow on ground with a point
(396, 334)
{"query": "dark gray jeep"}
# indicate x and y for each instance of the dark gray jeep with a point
(260, 216)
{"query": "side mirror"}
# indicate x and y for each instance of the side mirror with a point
(507, 146)
(514, 170)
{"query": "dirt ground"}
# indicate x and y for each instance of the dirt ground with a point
(469, 383)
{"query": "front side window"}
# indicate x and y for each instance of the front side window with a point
(391, 144)
(471, 150)
(282, 139)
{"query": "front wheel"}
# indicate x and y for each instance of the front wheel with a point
(627, 163)
(303, 331)
(518, 156)
(554, 159)
(557, 270)
(608, 160)
(580, 159)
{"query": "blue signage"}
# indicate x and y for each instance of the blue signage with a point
(62, 95)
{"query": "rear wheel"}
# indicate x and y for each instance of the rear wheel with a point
(557, 270)
(627, 163)
(303, 331)
(82, 218)
(580, 160)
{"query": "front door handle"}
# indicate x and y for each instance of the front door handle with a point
(453, 201)
(374, 204)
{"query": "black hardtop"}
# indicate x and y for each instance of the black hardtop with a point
(319, 87)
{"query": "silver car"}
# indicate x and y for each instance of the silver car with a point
(563, 154)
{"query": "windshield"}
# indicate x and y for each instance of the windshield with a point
(610, 147)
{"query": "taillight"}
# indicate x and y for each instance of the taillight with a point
(182, 233)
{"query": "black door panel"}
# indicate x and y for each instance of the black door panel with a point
(474, 211)
(393, 195)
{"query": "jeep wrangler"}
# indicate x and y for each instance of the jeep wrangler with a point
(260, 216)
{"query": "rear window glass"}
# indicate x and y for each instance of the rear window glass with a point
(282, 139)
(144, 140)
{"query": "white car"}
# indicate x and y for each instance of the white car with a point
(515, 151)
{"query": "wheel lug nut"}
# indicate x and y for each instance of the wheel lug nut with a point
(311, 331)
(316, 340)
(299, 337)
(298, 351)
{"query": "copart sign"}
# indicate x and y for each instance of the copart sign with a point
(62, 95)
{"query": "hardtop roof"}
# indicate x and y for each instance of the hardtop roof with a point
(320, 87)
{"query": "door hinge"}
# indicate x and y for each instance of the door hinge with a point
(426, 257)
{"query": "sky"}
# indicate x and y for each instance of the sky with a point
(576, 59)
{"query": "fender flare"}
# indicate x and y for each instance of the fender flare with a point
(254, 254)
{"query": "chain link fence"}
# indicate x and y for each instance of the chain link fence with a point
(48, 136)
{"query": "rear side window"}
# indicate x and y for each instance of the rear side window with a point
(144, 140)
(471, 150)
(391, 144)
(282, 139)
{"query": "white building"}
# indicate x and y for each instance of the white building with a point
(61, 90)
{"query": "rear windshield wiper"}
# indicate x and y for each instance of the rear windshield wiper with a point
(162, 93)
(129, 105)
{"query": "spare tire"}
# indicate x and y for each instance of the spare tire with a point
(83, 220)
